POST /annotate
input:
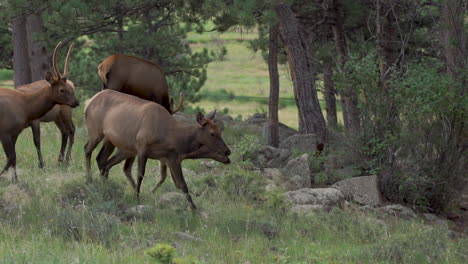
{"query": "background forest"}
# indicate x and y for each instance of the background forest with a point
(381, 84)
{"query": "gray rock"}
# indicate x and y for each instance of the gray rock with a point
(301, 142)
(140, 211)
(272, 174)
(256, 119)
(173, 200)
(430, 217)
(283, 131)
(361, 190)
(307, 199)
(398, 210)
(275, 158)
(300, 167)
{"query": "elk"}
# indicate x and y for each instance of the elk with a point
(19, 108)
(60, 114)
(144, 129)
(134, 76)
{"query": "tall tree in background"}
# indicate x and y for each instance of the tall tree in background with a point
(329, 92)
(273, 133)
(299, 48)
(22, 72)
(349, 98)
(38, 59)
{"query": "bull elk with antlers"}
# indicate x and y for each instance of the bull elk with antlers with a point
(144, 129)
(61, 115)
(19, 108)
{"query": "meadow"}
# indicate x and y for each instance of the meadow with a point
(53, 215)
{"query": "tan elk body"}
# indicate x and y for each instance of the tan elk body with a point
(19, 108)
(146, 130)
(134, 76)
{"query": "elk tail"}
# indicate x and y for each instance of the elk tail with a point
(180, 104)
(102, 75)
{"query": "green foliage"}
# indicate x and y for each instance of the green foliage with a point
(163, 253)
(248, 145)
(275, 201)
(241, 185)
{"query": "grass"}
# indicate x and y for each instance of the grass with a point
(54, 216)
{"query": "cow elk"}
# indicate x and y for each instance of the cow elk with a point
(19, 108)
(134, 76)
(144, 129)
(61, 115)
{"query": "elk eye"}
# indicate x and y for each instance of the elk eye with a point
(212, 134)
(61, 90)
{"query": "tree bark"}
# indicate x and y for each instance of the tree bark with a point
(273, 133)
(349, 98)
(38, 60)
(330, 99)
(22, 73)
(388, 51)
(300, 55)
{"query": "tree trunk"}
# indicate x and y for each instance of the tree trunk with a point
(273, 133)
(330, 99)
(349, 98)
(22, 73)
(39, 63)
(388, 51)
(299, 50)
(454, 39)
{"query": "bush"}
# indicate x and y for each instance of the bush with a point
(242, 184)
(163, 253)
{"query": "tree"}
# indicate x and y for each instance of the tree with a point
(38, 59)
(299, 48)
(329, 93)
(22, 72)
(273, 133)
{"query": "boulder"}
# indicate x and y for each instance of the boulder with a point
(307, 199)
(272, 174)
(298, 171)
(256, 119)
(173, 200)
(270, 157)
(361, 190)
(301, 142)
(397, 210)
(283, 131)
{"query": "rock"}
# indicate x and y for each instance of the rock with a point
(397, 210)
(301, 142)
(272, 174)
(140, 211)
(186, 236)
(345, 173)
(306, 199)
(298, 167)
(173, 200)
(256, 119)
(283, 131)
(270, 157)
(430, 217)
(361, 190)
(15, 197)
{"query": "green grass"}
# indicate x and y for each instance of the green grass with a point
(6, 75)
(60, 218)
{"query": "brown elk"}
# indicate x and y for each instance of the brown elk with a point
(60, 114)
(134, 76)
(146, 130)
(19, 108)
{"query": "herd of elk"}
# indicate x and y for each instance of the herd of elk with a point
(60, 114)
(132, 114)
(146, 130)
(19, 108)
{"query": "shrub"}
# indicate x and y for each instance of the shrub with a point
(242, 184)
(163, 253)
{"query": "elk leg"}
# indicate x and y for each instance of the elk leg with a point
(9, 148)
(36, 131)
(142, 159)
(163, 172)
(128, 171)
(104, 154)
(116, 159)
(176, 171)
(71, 141)
(89, 147)
(61, 126)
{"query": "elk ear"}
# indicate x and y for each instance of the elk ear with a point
(200, 119)
(211, 116)
(49, 78)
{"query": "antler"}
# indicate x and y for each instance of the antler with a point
(67, 60)
(54, 59)
(180, 104)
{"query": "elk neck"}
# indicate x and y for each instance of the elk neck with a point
(186, 138)
(38, 102)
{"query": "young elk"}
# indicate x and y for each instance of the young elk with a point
(19, 108)
(60, 114)
(146, 130)
(134, 76)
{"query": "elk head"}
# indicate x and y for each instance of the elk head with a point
(63, 90)
(209, 136)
